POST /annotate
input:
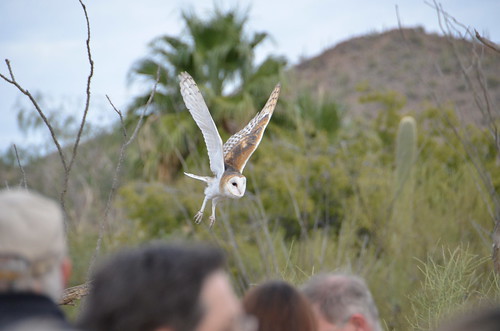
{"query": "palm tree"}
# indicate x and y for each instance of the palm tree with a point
(220, 56)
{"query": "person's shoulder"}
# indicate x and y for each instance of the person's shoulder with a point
(31, 311)
(42, 324)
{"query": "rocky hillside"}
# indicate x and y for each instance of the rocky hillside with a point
(424, 68)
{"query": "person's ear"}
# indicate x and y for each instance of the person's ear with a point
(359, 322)
(66, 270)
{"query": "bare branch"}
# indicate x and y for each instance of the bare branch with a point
(119, 115)
(442, 14)
(487, 42)
(23, 181)
(399, 23)
(114, 185)
(12, 79)
(87, 100)
(74, 293)
(141, 118)
(14, 82)
(85, 112)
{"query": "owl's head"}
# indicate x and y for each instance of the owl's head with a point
(234, 185)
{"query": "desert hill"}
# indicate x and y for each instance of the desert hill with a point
(420, 66)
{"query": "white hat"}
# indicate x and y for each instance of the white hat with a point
(31, 230)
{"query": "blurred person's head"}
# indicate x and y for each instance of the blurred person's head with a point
(279, 306)
(342, 302)
(481, 319)
(162, 287)
(33, 253)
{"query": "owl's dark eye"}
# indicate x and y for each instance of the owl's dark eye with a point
(234, 184)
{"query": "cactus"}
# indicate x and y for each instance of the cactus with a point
(406, 151)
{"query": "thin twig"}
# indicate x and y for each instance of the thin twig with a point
(14, 82)
(143, 114)
(23, 181)
(114, 185)
(118, 111)
(483, 104)
(399, 23)
(85, 112)
(488, 107)
(89, 79)
(62, 157)
(487, 43)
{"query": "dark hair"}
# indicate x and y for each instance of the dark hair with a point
(148, 287)
(279, 306)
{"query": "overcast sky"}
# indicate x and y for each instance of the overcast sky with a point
(45, 40)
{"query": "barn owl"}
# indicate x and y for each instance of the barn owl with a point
(226, 161)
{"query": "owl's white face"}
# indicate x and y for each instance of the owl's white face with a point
(235, 186)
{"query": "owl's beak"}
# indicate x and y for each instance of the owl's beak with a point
(241, 189)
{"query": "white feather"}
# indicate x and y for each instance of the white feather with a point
(199, 110)
(202, 178)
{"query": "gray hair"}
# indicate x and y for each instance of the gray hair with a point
(51, 282)
(339, 296)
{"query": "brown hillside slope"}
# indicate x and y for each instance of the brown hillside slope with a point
(422, 67)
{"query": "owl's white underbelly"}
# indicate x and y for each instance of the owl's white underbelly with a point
(212, 190)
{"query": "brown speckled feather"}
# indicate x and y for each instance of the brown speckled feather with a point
(240, 146)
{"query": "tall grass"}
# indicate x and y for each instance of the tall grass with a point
(452, 282)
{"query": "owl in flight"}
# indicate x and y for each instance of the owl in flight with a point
(226, 161)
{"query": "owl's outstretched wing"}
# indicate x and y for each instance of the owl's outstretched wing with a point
(240, 146)
(201, 115)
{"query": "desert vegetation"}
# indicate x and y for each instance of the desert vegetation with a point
(405, 196)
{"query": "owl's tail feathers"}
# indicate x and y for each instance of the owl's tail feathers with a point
(202, 178)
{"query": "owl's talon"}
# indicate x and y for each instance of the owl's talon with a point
(198, 217)
(212, 220)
